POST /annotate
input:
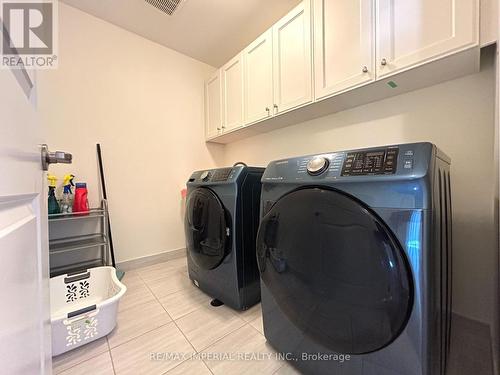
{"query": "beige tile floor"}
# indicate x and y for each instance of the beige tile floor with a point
(162, 312)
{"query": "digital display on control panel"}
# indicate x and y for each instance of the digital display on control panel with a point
(360, 163)
(221, 175)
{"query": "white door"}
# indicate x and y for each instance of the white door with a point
(413, 32)
(258, 78)
(213, 106)
(292, 58)
(232, 94)
(344, 45)
(24, 268)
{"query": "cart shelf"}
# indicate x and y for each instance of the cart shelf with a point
(71, 253)
(93, 213)
(77, 242)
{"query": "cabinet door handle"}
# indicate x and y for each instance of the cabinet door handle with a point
(365, 69)
(268, 111)
(223, 127)
(218, 129)
(383, 62)
(275, 108)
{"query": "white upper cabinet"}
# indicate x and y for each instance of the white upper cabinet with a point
(412, 32)
(232, 94)
(213, 105)
(488, 33)
(258, 78)
(344, 41)
(292, 59)
(322, 50)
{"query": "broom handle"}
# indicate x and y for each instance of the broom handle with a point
(105, 196)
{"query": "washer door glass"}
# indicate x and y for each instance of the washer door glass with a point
(205, 227)
(335, 270)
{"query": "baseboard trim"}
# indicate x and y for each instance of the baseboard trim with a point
(149, 260)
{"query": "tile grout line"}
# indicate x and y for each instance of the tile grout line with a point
(246, 323)
(107, 341)
(79, 363)
(180, 330)
(182, 272)
(110, 355)
(255, 329)
(282, 362)
(173, 269)
(216, 341)
(131, 307)
(253, 320)
(161, 278)
(225, 335)
(169, 294)
(142, 334)
(173, 321)
(196, 351)
(279, 368)
(234, 330)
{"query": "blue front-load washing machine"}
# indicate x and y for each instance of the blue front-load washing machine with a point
(354, 253)
(221, 222)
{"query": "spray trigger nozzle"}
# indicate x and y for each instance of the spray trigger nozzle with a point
(68, 180)
(52, 180)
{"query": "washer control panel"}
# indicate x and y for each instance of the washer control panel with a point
(215, 176)
(366, 162)
(411, 159)
(220, 175)
(205, 176)
(317, 165)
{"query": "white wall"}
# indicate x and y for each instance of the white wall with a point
(458, 116)
(144, 104)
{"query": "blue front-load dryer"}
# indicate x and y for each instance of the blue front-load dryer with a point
(354, 253)
(221, 222)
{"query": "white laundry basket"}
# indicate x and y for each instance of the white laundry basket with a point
(84, 306)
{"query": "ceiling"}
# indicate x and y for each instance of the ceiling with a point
(211, 31)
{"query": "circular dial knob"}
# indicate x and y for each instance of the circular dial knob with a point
(317, 165)
(205, 175)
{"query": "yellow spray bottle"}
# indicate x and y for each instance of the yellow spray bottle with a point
(53, 206)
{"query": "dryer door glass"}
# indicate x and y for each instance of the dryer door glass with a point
(336, 270)
(205, 227)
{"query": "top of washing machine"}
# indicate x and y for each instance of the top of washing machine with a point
(386, 176)
(220, 176)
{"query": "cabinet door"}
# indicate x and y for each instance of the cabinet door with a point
(292, 59)
(344, 41)
(413, 32)
(213, 106)
(232, 94)
(258, 78)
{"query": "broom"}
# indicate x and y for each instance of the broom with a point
(119, 273)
